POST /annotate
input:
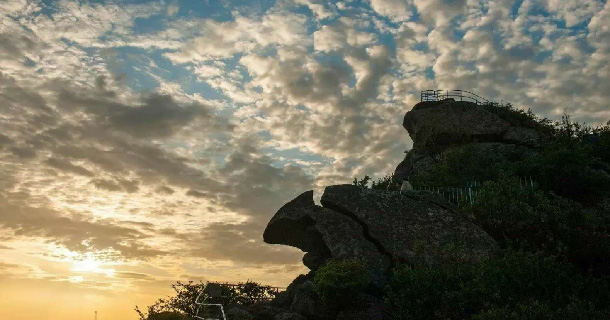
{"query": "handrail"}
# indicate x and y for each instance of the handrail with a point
(210, 292)
(462, 95)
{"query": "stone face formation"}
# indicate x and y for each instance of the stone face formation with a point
(383, 228)
(378, 227)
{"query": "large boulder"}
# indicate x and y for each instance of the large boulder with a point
(412, 229)
(323, 234)
(377, 227)
(447, 122)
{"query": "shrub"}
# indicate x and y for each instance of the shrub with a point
(340, 283)
(247, 294)
(527, 218)
(518, 117)
(363, 183)
(521, 216)
(462, 165)
(536, 310)
(166, 315)
(386, 183)
(492, 288)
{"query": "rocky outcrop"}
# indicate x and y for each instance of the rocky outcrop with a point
(383, 228)
(441, 123)
(439, 128)
(238, 313)
(323, 234)
(377, 226)
(409, 228)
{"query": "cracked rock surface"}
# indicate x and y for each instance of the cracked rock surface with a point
(323, 234)
(376, 226)
(412, 229)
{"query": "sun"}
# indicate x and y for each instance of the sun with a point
(91, 265)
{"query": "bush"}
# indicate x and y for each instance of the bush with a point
(463, 165)
(341, 283)
(166, 315)
(536, 310)
(518, 117)
(492, 288)
(247, 294)
(527, 218)
(384, 183)
(362, 183)
(520, 216)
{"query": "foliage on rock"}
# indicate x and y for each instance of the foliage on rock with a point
(341, 282)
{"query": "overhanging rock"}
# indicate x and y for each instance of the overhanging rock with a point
(323, 234)
(376, 226)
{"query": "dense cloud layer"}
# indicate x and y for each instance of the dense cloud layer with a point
(144, 134)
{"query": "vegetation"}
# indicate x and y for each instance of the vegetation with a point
(518, 117)
(341, 283)
(554, 234)
(517, 285)
(384, 183)
(250, 295)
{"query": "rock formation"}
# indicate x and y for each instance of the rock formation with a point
(435, 126)
(378, 227)
(383, 228)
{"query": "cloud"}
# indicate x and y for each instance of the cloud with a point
(224, 39)
(397, 10)
(574, 12)
(154, 116)
(65, 165)
(341, 35)
(119, 185)
(246, 246)
(172, 9)
(74, 232)
(149, 133)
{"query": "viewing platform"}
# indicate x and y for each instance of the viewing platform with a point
(457, 95)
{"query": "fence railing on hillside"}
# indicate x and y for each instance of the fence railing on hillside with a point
(468, 194)
(458, 95)
(214, 296)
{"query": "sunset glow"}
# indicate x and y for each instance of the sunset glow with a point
(146, 142)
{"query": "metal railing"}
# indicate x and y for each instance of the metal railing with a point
(468, 194)
(213, 297)
(458, 95)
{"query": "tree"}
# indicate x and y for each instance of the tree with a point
(182, 304)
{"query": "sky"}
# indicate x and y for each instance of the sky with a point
(145, 142)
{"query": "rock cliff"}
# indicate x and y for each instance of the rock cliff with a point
(378, 227)
(384, 228)
(436, 126)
